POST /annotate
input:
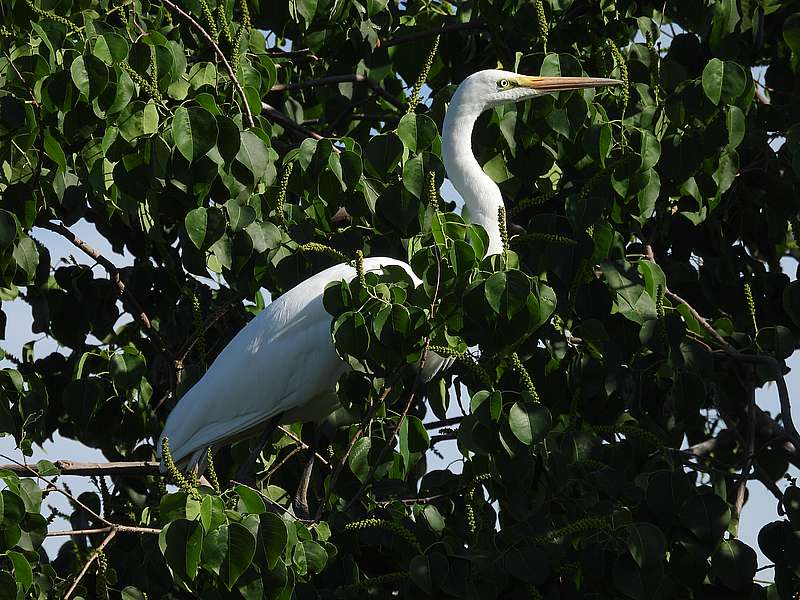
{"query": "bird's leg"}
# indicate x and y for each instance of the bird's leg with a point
(301, 496)
(246, 473)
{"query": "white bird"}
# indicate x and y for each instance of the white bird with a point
(283, 363)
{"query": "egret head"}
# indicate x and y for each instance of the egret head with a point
(493, 87)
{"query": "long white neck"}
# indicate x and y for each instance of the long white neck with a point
(481, 195)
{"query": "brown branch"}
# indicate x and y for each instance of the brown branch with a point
(429, 33)
(137, 312)
(741, 488)
(336, 79)
(303, 445)
(118, 528)
(89, 562)
(725, 439)
(288, 123)
(70, 467)
(220, 54)
(444, 423)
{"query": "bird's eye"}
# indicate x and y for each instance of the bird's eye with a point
(503, 84)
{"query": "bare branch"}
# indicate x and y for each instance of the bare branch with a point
(70, 467)
(137, 311)
(303, 445)
(201, 30)
(741, 488)
(443, 423)
(725, 439)
(118, 528)
(284, 120)
(89, 562)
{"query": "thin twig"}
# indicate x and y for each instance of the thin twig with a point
(428, 33)
(444, 423)
(137, 312)
(284, 120)
(305, 446)
(343, 461)
(89, 562)
(118, 528)
(220, 54)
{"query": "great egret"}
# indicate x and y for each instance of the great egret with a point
(283, 364)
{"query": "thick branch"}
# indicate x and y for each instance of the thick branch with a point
(69, 467)
(725, 439)
(201, 30)
(336, 79)
(288, 123)
(118, 528)
(443, 423)
(137, 312)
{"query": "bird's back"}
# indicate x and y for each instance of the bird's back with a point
(283, 360)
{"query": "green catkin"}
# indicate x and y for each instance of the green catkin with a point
(530, 203)
(550, 238)
(362, 279)
(466, 360)
(501, 223)
(101, 585)
(323, 249)
(632, 431)
(542, 27)
(283, 185)
(469, 504)
(222, 24)
(579, 526)
(433, 196)
(362, 586)
(142, 82)
(199, 328)
(105, 495)
(244, 29)
(524, 376)
(209, 17)
(153, 69)
(386, 525)
(655, 65)
(534, 592)
(751, 305)
(662, 324)
(619, 61)
(423, 77)
(212, 473)
(53, 17)
(174, 473)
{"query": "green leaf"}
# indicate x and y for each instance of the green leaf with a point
(723, 82)
(251, 500)
(351, 335)
(734, 564)
(26, 255)
(204, 226)
(791, 32)
(194, 131)
(791, 504)
(23, 572)
(495, 289)
(646, 543)
(413, 440)
(274, 537)
(383, 154)
(127, 368)
(111, 48)
(358, 461)
(530, 422)
(53, 149)
(706, 516)
(8, 229)
(735, 124)
(241, 548)
(253, 155)
(90, 75)
(181, 543)
(212, 512)
(417, 132)
(316, 556)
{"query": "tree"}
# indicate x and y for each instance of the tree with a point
(605, 365)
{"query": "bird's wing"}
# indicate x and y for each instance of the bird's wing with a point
(283, 359)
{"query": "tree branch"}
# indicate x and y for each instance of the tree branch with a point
(288, 123)
(89, 562)
(69, 467)
(201, 30)
(118, 528)
(443, 423)
(336, 79)
(137, 312)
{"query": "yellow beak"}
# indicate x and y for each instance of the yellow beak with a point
(558, 84)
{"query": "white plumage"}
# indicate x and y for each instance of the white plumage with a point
(284, 362)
